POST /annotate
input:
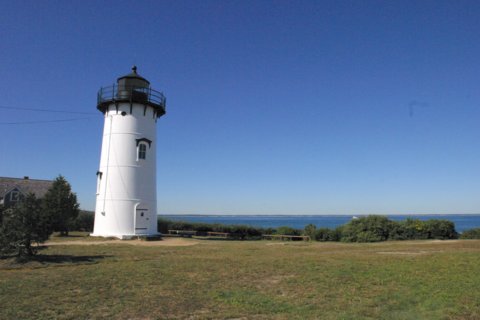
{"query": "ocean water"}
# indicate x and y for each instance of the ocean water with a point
(462, 221)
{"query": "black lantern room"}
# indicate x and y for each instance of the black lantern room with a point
(131, 88)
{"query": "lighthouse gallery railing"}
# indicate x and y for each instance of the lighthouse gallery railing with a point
(131, 94)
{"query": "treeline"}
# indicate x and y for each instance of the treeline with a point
(364, 229)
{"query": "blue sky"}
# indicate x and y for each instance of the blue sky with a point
(273, 107)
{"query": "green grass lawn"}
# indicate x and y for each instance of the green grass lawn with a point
(248, 280)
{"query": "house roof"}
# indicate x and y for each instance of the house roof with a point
(25, 185)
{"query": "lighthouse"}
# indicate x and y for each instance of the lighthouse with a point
(126, 203)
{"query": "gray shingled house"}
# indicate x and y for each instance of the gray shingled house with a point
(13, 190)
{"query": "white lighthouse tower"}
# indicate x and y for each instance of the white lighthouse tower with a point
(126, 181)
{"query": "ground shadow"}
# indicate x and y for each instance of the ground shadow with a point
(63, 258)
(69, 236)
(8, 261)
(66, 258)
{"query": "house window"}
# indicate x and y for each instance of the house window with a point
(142, 151)
(14, 196)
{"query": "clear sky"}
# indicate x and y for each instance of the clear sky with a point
(273, 107)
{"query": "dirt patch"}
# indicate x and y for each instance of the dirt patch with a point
(273, 280)
(165, 242)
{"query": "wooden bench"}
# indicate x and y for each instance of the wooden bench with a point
(223, 235)
(183, 233)
(284, 237)
(218, 235)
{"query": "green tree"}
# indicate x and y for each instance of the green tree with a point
(310, 230)
(23, 225)
(2, 209)
(60, 203)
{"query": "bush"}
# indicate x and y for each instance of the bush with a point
(288, 231)
(471, 234)
(326, 234)
(310, 231)
(248, 231)
(268, 230)
(378, 228)
(414, 229)
(411, 229)
(440, 229)
(367, 229)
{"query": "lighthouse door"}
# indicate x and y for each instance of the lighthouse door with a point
(142, 218)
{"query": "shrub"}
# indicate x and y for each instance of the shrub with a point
(268, 230)
(413, 229)
(440, 229)
(337, 233)
(398, 231)
(369, 236)
(288, 231)
(367, 229)
(326, 234)
(471, 234)
(246, 230)
(310, 231)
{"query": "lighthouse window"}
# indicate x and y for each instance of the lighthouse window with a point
(99, 179)
(142, 151)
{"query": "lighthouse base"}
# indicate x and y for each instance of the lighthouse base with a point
(146, 237)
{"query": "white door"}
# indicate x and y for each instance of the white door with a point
(142, 217)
